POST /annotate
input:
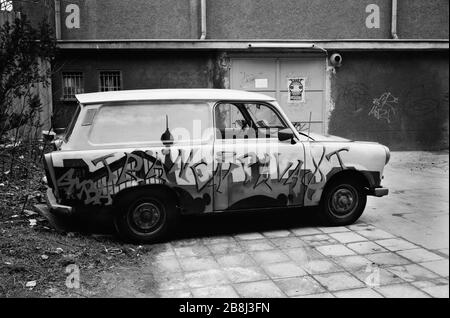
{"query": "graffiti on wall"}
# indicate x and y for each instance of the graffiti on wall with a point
(384, 107)
(419, 119)
(417, 102)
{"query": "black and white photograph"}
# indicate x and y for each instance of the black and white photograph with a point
(224, 153)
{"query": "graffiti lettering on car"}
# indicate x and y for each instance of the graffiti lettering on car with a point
(148, 167)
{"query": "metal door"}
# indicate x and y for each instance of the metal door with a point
(270, 76)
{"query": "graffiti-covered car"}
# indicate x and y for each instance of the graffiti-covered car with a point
(150, 156)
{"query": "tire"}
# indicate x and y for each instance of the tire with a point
(342, 202)
(144, 216)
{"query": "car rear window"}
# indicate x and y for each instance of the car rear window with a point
(135, 123)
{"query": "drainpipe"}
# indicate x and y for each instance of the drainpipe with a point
(203, 19)
(394, 20)
(58, 19)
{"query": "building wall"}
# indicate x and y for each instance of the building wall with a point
(243, 19)
(398, 98)
(139, 70)
(323, 19)
(107, 19)
(423, 19)
(294, 19)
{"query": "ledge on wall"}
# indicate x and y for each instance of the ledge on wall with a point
(253, 45)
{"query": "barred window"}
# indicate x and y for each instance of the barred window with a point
(72, 84)
(110, 81)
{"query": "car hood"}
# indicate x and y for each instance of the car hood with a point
(332, 138)
(319, 137)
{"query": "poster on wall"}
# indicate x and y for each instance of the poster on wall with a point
(261, 83)
(296, 90)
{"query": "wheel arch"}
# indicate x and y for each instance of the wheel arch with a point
(364, 179)
(160, 188)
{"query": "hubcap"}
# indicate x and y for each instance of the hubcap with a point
(343, 201)
(146, 215)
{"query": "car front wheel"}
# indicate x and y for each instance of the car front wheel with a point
(342, 203)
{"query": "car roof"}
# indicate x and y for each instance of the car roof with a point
(171, 94)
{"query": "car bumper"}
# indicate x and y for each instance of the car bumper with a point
(378, 192)
(55, 207)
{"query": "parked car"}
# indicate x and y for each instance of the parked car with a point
(150, 156)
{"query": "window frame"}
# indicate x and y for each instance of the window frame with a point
(149, 143)
(248, 116)
(109, 71)
(72, 98)
(253, 117)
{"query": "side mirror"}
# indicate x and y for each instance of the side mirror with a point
(286, 134)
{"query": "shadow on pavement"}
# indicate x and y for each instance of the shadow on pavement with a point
(244, 222)
(195, 226)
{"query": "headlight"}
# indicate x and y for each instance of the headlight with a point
(388, 154)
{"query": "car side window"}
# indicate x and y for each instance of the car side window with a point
(230, 122)
(267, 122)
(154, 122)
(264, 116)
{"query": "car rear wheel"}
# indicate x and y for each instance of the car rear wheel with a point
(144, 216)
(343, 202)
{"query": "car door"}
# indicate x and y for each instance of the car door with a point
(253, 168)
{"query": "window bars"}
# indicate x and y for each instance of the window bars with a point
(72, 84)
(110, 81)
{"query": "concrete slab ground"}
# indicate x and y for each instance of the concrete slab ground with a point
(398, 248)
(417, 207)
(228, 267)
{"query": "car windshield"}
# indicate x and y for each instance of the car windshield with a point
(150, 122)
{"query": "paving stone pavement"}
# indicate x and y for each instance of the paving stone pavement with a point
(398, 248)
(259, 264)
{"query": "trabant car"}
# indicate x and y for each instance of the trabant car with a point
(150, 156)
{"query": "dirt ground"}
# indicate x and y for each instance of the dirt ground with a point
(34, 256)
